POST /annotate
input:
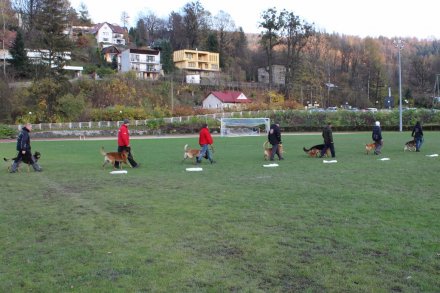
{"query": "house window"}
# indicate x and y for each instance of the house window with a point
(189, 56)
(214, 66)
(191, 64)
(105, 39)
(137, 57)
(150, 58)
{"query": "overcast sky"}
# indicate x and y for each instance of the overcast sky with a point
(389, 18)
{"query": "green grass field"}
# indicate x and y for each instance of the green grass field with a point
(360, 225)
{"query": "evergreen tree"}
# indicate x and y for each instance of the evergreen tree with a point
(166, 56)
(84, 17)
(212, 43)
(53, 43)
(20, 61)
(115, 62)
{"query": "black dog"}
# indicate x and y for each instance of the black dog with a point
(36, 156)
(315, 151)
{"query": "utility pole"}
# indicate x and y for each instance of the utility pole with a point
(399, 45)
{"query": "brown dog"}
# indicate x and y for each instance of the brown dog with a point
(113, 157)
(370, 147)
(193, 153)
(190, 153)
(267, 150)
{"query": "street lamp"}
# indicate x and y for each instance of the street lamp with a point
(329, 86)
(399, 45)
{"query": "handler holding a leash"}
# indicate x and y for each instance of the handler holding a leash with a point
(124, 143)
(327, 134)
(24, 150)
(274, 137)
(377, 137)
(205, 140)
(417, 133)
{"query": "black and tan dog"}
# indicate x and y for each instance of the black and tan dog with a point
(113, 157)
(267, 150)
(410, 146)
(315, 151)
(36, 156)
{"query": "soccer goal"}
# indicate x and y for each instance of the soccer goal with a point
(243, 126)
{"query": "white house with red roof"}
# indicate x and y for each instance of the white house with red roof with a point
(109, 33)
(225, 99)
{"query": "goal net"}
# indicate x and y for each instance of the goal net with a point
(244, 126)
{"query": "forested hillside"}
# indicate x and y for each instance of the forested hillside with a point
(330, 69)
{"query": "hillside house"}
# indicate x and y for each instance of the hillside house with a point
(145, 62)
(278, 74)
(197, 63)
(109, 33)
(109, 52)
(225, 99)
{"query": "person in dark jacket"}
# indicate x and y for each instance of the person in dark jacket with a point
(327, 134)
(24, 150)
(124, 143)
(377, 138)
(205, 140)
(417, 133)
(274, 137)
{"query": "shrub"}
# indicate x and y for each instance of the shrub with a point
(7, 132)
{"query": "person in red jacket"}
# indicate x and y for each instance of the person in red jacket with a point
(124, 143)
(205, 140)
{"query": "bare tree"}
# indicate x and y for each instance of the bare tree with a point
(272, 23)
(124, 18)
(196, 21)
(153, 26)
(27, 10)
(295, 35)
(224, 25)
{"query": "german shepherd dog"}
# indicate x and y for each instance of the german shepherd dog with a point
(369, 147)
(193, 153)
(267, 150)
(410, 146)
(113, 157)
(36, 156)
(315, 151)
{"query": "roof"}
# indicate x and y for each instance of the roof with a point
(110, 49)
(144, 51)
(230, 97)
(114, 27)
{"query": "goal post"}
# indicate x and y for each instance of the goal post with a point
(243, 126)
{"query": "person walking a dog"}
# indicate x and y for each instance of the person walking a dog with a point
(24, 150)
(327, 134)
(377, 138)
(274, 137)
(205, 140)
(417, 133)
(124, 143)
